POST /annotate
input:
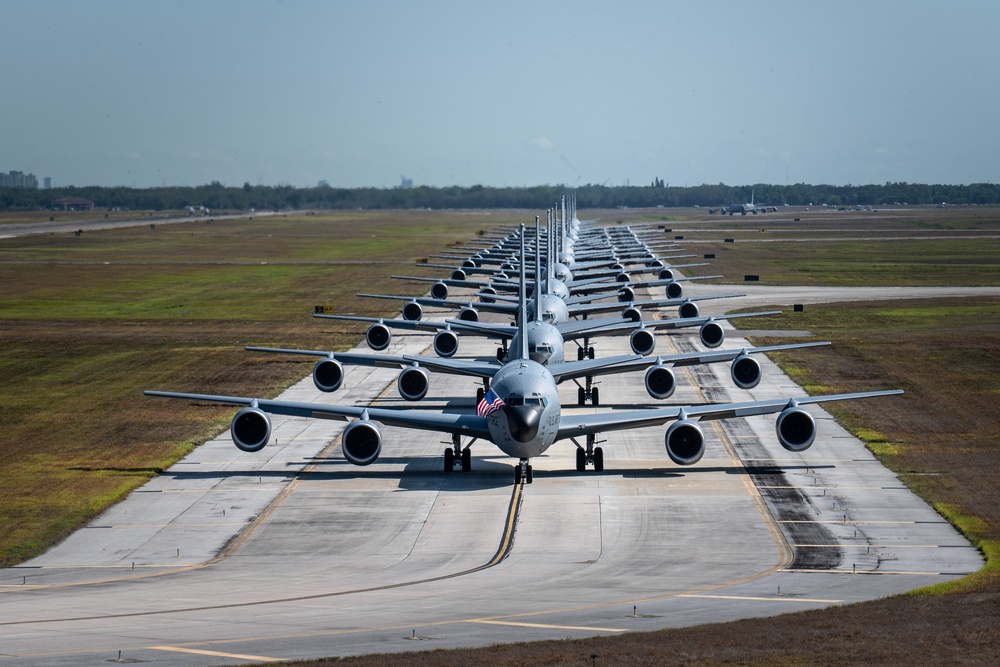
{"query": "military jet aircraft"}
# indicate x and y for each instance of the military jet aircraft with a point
(522, 415)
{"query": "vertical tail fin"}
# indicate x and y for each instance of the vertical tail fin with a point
(538, 271)
(522, 311)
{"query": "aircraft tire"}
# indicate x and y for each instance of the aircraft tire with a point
(449, 460)
(581, 460)
(466, 460)
(517, 474)
(590, 352)
(598, 459)
(581, 396)
(528, 479)
(480, 392)
(595, 396)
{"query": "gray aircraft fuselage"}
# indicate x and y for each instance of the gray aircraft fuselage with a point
(528, 423)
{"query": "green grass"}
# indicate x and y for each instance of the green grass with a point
(172, 308)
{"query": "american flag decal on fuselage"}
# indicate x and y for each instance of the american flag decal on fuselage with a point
(489, 404)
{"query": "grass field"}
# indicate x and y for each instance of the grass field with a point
(90, 321)
(172, 307)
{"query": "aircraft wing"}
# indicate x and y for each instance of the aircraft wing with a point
(415, 325)
(576, 310)
(631, 363)
(449, 303)
(677, 323)
(586, 424)
(350, 358)
(479, 369)
(487, 329)
(444, 422)
(438, 365)
(567, 370)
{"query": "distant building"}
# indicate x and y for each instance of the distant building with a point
(18, 179)
(47, 182)
(322, 184)
(73, 204)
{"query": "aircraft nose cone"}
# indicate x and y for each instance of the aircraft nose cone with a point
(523, 421)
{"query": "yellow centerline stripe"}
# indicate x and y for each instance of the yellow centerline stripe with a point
(217, 654)
(783, 598)
(545, 626)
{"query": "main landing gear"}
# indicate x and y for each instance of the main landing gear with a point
(458, 454)
(590, 456)
(588, 392)
(522, 472)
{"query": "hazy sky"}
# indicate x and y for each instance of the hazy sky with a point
(360, 93)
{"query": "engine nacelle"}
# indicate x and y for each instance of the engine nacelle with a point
(445, 343)
(666, 274)
(328, 375)
(623, 278)
(656, 264)
(251, 429)
(796, 429)
(469, 264)
(674, 290)
(412, 311)
(685, 442)
(660, 381)
(458, 274)
(468, 314)
(745, 371)
(626, 294)
(688, 309)
(642, 341)
(378, 336)
(413, 383)
(361, 442)
(632, 313)
(486, 295)
(439, 291)
(711, 334)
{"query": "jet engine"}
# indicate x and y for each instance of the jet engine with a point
(361, 442)
(688, 309)
(711, 334)
(469, 264)
(745, 371)
(445, 343)
(468, 314)
(328, 375)
(412, 311)
(626, 294)
(412, 383)
(251, 429)
(796, 428)
(643, 341)
(623, 278)
(378, 336)
(685, 442)
(486, 294)
(657, 264)
(666, 274)
(660, 381)
(674, 290)
(632, 313)
(439, 290)
(458, 274)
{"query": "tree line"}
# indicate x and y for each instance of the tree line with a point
(216, 196)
